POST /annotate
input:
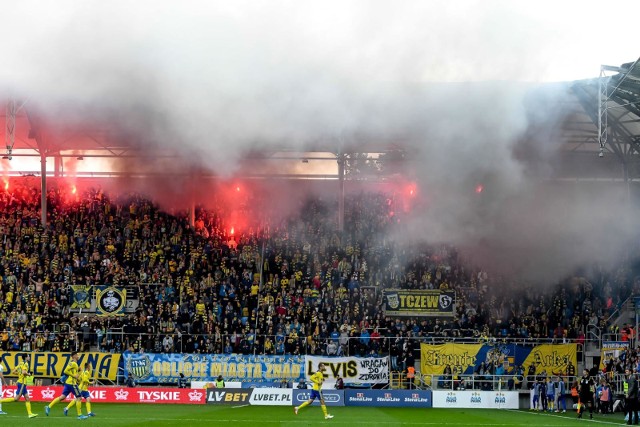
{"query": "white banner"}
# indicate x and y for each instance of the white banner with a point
(353, 370)
(212, 384)
(475, 399)
(271, 397)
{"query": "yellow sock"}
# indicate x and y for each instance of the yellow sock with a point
(54, 401)
(7, 400)
(324, 409)
(303, 405)
(88, 406)
(73, 402)
(28, 405)
(79, 407)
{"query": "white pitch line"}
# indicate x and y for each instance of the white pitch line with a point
(239, 406)
(306, 422)
(585, 419)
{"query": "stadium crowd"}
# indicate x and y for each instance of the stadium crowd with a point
(200, 288)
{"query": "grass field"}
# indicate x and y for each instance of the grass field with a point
(268, 416)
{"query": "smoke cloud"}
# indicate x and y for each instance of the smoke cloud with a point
(217, 79)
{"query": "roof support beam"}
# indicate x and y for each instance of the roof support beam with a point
(10, 126)
(604, 95)
(603, 114)
(43, 196)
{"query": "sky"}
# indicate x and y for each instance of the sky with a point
(208, 72)
(438, 40)
(451, 78)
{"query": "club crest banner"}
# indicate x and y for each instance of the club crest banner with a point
(110, 301)
(81, 297)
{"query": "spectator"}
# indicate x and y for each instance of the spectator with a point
(332, 348)
(167, 344)
(182, 381)
(130, 382)
(220, 382)
(198, 293)
(284, 383)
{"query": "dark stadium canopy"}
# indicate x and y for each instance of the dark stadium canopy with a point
(621, 99)
(614, 103)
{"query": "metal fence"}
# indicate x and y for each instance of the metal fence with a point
(118, 339)
(177, 342)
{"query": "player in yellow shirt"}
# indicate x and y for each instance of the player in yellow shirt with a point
(85, 381)
(22, 370)
(317, 379)
(70, 386)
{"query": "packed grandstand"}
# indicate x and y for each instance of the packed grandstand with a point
(296, 287)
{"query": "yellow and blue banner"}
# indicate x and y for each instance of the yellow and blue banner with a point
(81, 296)
(551, 359)
(52, 365)
(110, 301)
(434, 358)
(166, 368)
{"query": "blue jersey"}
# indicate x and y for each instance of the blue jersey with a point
(538, 389)
(550, 389)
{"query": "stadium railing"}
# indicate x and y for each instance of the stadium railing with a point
(346, 346)
(116, 340)
(509, 382)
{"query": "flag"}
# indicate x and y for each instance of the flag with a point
(81, 296)
(110, 301)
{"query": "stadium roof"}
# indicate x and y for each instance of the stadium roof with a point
(578, 132)
(621, 98)
(613, 100)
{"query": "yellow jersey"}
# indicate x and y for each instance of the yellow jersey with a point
(22, 369)
(71, 371)
(317, 379)
(85, 379)
(200, 307)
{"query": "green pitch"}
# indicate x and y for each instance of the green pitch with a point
(271, 416)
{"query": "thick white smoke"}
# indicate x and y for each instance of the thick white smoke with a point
(219, 78)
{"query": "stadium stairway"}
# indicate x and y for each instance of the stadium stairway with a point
(625, 314)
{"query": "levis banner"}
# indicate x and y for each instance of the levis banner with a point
(353, 370)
